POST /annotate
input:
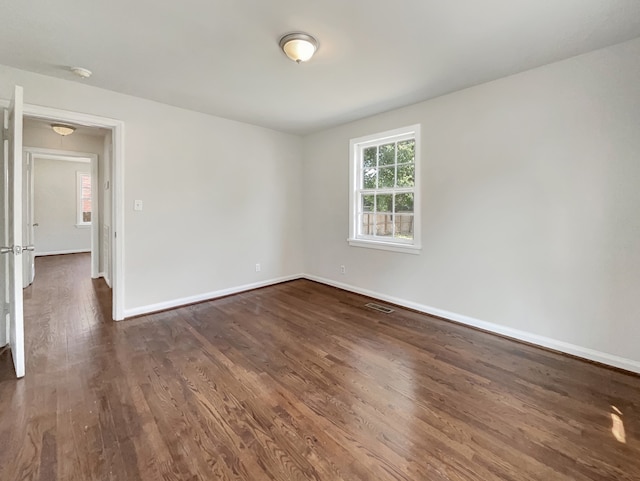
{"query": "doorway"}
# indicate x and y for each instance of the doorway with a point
(113, 239)
(63, 206)
(11, 290)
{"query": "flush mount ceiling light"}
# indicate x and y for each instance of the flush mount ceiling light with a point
(299, 47)
(81, 72)
(63, 130)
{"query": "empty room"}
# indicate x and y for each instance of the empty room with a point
(332, 241)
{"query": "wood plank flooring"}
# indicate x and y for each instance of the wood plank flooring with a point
(297, 381)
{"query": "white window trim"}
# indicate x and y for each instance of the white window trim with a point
(355, 149)
(80, 224)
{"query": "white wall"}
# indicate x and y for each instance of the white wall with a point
(55, 207)
(219, 196)
(529, 204)
(531, 197)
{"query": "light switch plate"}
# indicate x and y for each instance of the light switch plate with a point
(137, 205)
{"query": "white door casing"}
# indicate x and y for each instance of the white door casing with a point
(28, 256)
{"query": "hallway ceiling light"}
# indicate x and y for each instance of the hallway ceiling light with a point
(62, 129)
(81, 72)
(299, 47)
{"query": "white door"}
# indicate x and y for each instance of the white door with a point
(12, 221)
(28, 257)
(4, 240)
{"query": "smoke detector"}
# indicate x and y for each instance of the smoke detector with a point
(81, 72)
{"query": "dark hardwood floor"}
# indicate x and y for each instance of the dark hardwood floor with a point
(297, 381)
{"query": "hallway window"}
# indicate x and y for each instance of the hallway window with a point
(83, 182)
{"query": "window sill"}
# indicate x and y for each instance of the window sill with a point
(386, 246)
(83, 226)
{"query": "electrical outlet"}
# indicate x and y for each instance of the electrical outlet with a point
(343, 270)
(257, 267)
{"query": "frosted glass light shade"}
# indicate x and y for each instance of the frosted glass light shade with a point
(63, 129)
(299, 47)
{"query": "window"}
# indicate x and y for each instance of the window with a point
(83, 208)
(384, 197)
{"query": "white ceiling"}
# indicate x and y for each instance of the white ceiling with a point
(222, 56)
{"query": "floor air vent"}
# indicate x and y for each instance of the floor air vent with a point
(378, 307)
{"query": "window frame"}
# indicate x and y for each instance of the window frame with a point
(79, 220)
(356, 147)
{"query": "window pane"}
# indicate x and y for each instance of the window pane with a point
(406, 151)
(84, 201)
(404, 203)
(404, 226)
(387, 154)
(86, 204)
(369, 157)
(369, 178)
(366, 224)
(406, 175)
(384, 224)
(367, 203)
(386, 177)
(383, 203)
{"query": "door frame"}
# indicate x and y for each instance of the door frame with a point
(117, 188)
(36, 153)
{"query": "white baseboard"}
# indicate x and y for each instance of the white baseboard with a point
(104, 276)
(556, 345)
(57, 253)
(207, 296)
